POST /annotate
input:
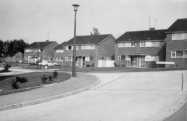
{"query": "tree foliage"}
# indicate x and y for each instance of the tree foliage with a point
(10, 48)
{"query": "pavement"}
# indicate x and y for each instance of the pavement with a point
(132, 96)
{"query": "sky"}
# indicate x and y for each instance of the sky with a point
(40, 20)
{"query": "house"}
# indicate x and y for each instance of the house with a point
(39, 51)
(176, 47)
(91, 50)
(140, 49)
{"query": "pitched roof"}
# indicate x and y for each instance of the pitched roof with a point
(179, 25)
(40, 45)
(86, 39)
(60, 46)
(143, 35)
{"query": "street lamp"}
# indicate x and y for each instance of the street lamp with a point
(75, 6)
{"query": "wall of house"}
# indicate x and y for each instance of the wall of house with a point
(49, 52)
(86, 53)
(46, 54)
(106, 49)
(26, 54)
(152, 51)
(172, 45)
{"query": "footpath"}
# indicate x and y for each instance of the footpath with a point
(48, 92)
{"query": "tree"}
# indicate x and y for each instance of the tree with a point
(10, 48)
(96, 31)
(1, 48)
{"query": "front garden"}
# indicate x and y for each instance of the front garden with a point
(28, 81)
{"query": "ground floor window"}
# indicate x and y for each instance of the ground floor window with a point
(179, 54)
(68, 58)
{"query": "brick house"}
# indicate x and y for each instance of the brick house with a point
(176, 47)
(140, 49)
(39, 51)
(91, 50)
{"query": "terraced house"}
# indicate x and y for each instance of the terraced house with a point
(140, 49)
(176, 50)
(40, 51)
(91, 50)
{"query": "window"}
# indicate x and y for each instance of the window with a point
(179, 36)
(152, 44)
(59, 51)
(151, 58)
(133, 44)
(78, 47)
(185, 54)
(119, 58)
(32, 50)
(122, 57)
(126, 44)
(68, 58)
(142, 43)
(88, 47)
(28, 50)
(179, 54)
(87, 58)
(69, 47)
(173, 54)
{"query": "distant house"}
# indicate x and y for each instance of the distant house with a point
(39, 51)
(140, 49)
(91, 50)
(176, 49)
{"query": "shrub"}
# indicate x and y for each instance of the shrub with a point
(44, 79)
(55, 74)
(15, 85)
(50, 78)
(21, 79)
(6, 68)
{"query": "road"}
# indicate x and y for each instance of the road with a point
(132, 96)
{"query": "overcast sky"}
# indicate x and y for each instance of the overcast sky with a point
(38, 20)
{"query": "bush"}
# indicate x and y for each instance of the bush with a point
(55, 74)
(6, 68)
(44, 79)
(21, 79)
(15, 85)
(50, 78)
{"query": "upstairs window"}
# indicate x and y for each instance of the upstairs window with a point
(59, 51)
(133, 44)
(179, 36)
(152, 44)
(127, 44)
(28, 50)
(69, 47)
(88, 47)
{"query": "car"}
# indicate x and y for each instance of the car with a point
(46, 63)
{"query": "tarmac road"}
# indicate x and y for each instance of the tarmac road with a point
(132, 96)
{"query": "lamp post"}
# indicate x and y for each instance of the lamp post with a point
(75, 6)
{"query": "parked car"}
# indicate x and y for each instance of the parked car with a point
(46, 63)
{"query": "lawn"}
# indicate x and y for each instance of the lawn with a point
(34, 80)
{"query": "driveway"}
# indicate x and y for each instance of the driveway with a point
(132, 96)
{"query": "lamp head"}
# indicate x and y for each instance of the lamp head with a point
(75, 6)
